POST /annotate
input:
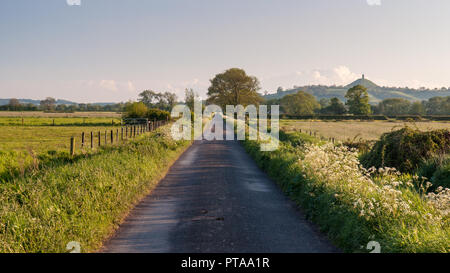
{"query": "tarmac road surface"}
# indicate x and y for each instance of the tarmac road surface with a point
(215, 199)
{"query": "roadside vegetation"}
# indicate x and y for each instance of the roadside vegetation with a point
(355, 205)
(409, 150)
(83, 198)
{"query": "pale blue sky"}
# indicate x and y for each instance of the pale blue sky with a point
(110, 50)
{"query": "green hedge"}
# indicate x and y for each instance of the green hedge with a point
(407, 149)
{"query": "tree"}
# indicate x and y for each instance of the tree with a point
(417, 108)
(14, 104)
(136, 110)
(300, 103)
(48, 104)
(336, 107)
(190, 97)
(324, 102)
(168, 101)
(163, 101)
(280, 90)
(149, 97)
(234, 87)
(358, 100)
(438, 106)
(394, 106)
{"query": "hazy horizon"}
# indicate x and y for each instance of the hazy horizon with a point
(109, 51)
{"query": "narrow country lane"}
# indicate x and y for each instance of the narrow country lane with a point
(216, 200)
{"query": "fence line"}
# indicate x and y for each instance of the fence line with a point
(131, 131)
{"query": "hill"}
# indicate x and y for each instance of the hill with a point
(364, 82)
(376, 93)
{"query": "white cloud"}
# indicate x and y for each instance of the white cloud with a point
(131, 86)
(339, 75)
(374, 2)
(110, 85)
(344, 75)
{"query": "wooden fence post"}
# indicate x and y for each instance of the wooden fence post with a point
(121, 134)
(112, 137)
(106, 137)
(72, 146)
(82, 140)
(92, 140)
(99, 139)
(117, 135)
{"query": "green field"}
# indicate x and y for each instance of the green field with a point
(366, 130)
(46, 136)
(41, 139)
(59, 119)
(83, 198)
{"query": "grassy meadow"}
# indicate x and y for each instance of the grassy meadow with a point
(366, 130)
(38, 140)
(42, 139)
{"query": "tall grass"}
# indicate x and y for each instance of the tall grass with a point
(354, 205)
(84, 199)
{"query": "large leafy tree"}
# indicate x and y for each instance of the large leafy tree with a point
(438, 106)
(358, 100)
(163, 101)
(336, 107)
(300, 103)
(14, 104)
(48, 104)
(417, 108)
(234, 87)
(136, 110)
(394, 106)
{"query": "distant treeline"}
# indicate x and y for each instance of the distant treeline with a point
(368, 117)
(49, 105)
(151, 99)
(305, 104)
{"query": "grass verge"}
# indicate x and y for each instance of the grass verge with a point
(83, 200)
(352, 205)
